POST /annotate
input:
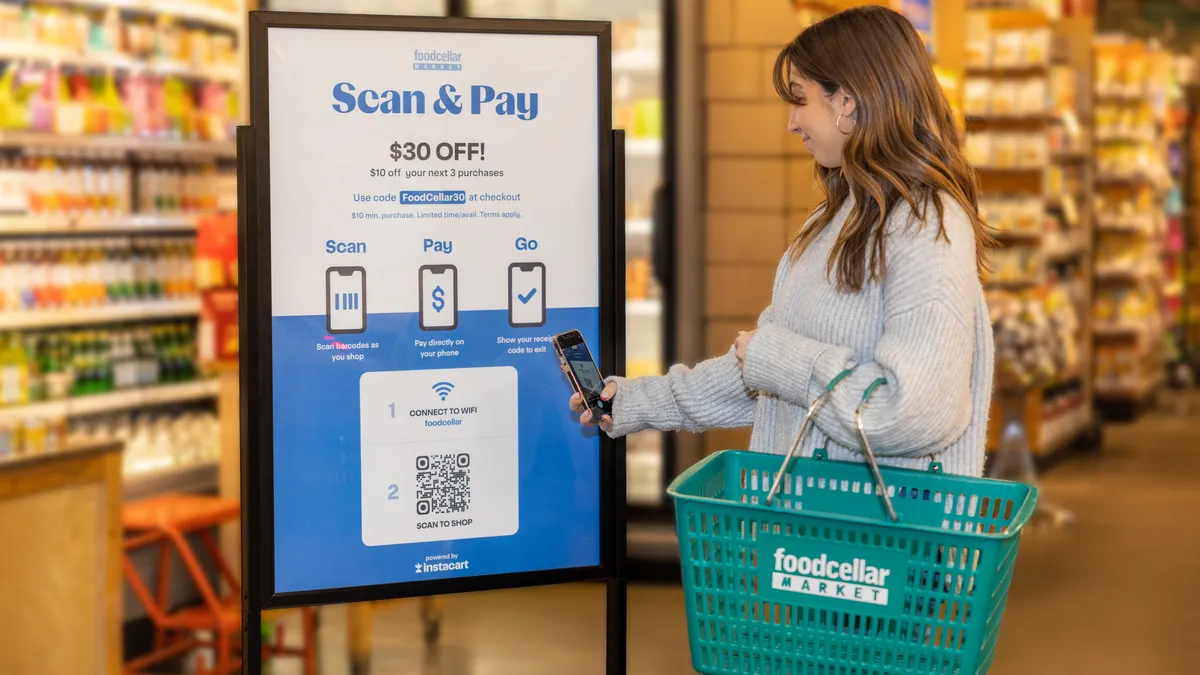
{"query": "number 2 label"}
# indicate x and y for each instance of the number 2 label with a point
(393, 491)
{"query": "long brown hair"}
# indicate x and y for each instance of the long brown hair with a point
(904, 144)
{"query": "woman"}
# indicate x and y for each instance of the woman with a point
(882, 279)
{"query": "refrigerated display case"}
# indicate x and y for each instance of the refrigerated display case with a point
(642, 71)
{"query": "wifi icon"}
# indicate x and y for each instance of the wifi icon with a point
(443, 389)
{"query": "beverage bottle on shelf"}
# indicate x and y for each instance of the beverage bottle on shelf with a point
(64, 261)
(154, 267)
(35, 354)
(23, 276)
(104, 357)
(122, 189)
(151, 371)
(60, 376)
(14, 372)
(80, 364)
(92, 285)
(6, 277)
(40, 275)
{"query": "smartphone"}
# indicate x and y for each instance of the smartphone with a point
(585, 377)
(345, 300)
(438, 286)
(526, 295)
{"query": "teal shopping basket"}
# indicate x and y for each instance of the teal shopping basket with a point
(838, 575)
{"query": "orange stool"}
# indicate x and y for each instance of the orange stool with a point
(166, 521)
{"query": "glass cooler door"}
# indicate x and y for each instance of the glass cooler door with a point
(638, 84)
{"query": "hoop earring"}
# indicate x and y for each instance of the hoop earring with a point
(838, 124)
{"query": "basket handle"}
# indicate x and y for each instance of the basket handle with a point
(812, 410)
(862, 433)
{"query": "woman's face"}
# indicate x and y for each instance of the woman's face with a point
(815, 118)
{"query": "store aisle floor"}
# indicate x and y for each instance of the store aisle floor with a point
(1114, 593)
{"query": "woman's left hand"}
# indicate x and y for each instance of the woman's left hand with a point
(742, 343)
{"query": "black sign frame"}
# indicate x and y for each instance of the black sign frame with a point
(254, 261)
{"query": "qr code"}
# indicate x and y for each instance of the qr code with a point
(443, 483)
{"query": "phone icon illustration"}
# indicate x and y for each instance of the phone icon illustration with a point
(438, 286)
(526, 295)
(345, 300)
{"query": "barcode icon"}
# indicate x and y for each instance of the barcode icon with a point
(345, 301)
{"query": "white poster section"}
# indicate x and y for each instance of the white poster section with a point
(434, 215)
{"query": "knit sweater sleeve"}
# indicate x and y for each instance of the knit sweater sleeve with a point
(925, 350)
(709, 396)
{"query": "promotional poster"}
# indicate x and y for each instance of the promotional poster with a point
(434, 222)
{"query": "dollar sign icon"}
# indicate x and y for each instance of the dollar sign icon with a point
(396, 151)
(438, 303)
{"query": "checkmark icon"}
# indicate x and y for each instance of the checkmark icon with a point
(527, 297)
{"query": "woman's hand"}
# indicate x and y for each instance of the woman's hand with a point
(742, 343)
(585, 418)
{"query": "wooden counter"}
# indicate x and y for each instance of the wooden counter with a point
(60, 562)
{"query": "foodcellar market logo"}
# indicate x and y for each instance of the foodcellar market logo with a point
(855, 580)
(437, 60)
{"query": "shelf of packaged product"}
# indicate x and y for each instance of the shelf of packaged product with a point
(191, 12)
(36, 140)
(638, 227)
(129, 399)
(642, 61)
(113, 313)
(199, 478)
(1025, 70)
(1058, 248)
(648, 307)
(1125, 273)
(1028, 236)
(1064, 428)
(1138, 224)
(643, 147)
(127, 223)
(1012, 284)
(14, 50)
(1123, 329)
(1132, 389)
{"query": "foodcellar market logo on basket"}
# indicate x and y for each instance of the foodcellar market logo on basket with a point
(840, 578)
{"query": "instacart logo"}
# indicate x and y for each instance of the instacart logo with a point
(855, 580)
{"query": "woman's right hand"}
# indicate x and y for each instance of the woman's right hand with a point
(585, 415)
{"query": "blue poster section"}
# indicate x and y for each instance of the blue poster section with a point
(318, 502)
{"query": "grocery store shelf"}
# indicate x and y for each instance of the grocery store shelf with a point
(636, 61)
(1123, 273)
(130, 399)
(1017, 235)
(98, 224)
(1123, 329)
(643, 147)
(194, 479)
(1012, 284)
(1064, 428)
(36, 140)
(32, 51)
(1008, 71)
(1130, 390)
(134, 311)
(192, 12)
(1059, 248)
(638, 227)
(1143, 223)
(643, 307)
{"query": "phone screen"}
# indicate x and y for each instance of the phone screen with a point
(583, 367)
(526, 294)
(345, 300)
(439, 297)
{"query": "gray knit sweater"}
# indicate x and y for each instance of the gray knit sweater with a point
(925, 328)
